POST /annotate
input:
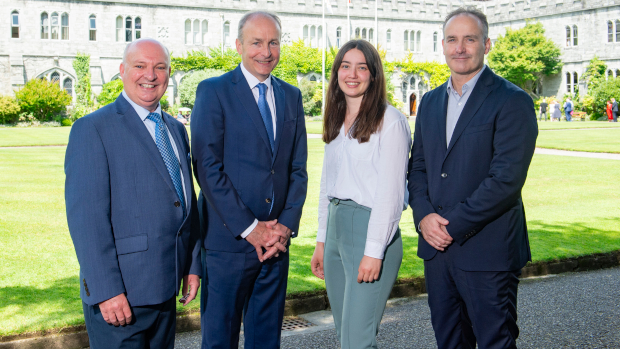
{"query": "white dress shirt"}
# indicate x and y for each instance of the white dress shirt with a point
(372, 174)
(150, 126)
(253, 82)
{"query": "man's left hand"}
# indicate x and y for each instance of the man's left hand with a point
(281, 233)
(191, 282)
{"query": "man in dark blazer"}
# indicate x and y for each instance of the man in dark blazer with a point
(250, 150)
(131, 209)
(614, 109)
(473, 143)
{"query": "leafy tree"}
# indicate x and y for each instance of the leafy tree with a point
(109, 92)
(595, 73)
(523, 56)
(311, 94)
(9, 110)
(604, 92)
(200, 60)
(43, 99)
(189, 84)
(83, 91)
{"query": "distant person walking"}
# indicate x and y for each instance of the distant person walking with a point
(568, 108)
(555, 111)
(610, 117)
(614, 109)
(543, 110)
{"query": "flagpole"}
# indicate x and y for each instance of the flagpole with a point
(376, 24)
(323, 59)
(348, 21)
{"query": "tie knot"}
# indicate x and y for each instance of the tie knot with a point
(261, 88)
(155, 117)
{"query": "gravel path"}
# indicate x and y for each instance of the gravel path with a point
(573, 310)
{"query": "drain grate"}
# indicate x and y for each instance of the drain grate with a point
(295, 323)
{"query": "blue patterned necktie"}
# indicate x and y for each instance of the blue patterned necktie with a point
(263, 107)
(165, 148)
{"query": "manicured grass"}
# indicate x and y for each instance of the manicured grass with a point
(571, 204)
(315, 127)
(562, 125)
(600, 141)
(28, 136)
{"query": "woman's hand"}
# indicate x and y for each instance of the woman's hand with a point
(369, 269)
(316, 263)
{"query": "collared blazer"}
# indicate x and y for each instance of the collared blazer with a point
(129, 234)
(237, 172)
(475, 182)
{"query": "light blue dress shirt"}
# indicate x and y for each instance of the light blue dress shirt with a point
(456, 103)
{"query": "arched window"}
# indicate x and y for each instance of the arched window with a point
(421, 87)
(64, 26)
(55, 77)
(412, 41)
(617, 73)
(67, 85)
(226, 33)
(575, 82)
(388, 39)
(15, 25)
(92, 26)
(55, 29)
(188, 31)
(319, 35)
(568, 38)
(364, 33)
(205, 31)
(610, 31)
(138, 27)
(357, 33)
(412, 82)
(371, 34)
(305, 35)
(575, 35)
(568, 85)
(435, 42)
(313, 36)
(313, 78)
(45, 26)
(404, 91)
(119, 28)
(406, 40)
(418, 41)
(128, 29)
(617, 30)
(338, 37)
(196, 32)
(610, 74)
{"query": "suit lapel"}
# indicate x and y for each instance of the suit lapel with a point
(476, 98)
(280, 97)
(133, 122)
(443, 102)
(246, 98)
(183, 161)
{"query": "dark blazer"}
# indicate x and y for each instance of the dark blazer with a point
(233, 161)
(475, 183)
(129, 235)
(614, 106)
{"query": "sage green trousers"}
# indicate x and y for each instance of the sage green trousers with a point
(357, 307)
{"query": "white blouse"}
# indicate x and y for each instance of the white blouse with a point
(372, 174)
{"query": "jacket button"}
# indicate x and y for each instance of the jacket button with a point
(444, 175)
(439, 207)
(268, 200)
(177, 204)
(180, 233)
(273, 172)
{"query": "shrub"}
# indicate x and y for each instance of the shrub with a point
(187, 89)
(311, 95)
(9, 110)
(66, 122)
(109, 92)
(604, 92)
(43, 99)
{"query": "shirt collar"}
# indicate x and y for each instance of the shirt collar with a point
(141, 111)
(468, 85)
(252, 80)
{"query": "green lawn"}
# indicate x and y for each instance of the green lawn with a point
(600, 141)
(547, 125)
(571, 203)
(28, 136)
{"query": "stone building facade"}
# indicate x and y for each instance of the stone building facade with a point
(42, 37)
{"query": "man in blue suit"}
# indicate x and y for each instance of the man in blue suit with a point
(250, 149)
(132, 210)
(473, 143)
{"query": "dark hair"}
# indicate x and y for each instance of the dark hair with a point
(374, 101)
(471, 11)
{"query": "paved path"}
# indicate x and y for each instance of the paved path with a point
(582, 154)
(573, 310)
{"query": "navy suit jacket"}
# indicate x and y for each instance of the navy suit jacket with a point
(234, 164)
(129, 235)
(475, 182)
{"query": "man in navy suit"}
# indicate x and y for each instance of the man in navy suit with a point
(250, 149)
(132, 210)
(473, 143)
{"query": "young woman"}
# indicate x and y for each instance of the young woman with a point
(359, 248)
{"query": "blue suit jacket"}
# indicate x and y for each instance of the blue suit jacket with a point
(475, 182)
(129, 236)
(233, 161)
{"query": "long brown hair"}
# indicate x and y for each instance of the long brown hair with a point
(374, 102)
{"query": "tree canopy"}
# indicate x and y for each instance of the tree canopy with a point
(595, 73)
(523, 56)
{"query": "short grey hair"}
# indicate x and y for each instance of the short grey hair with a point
(473, 12)
(133, 43)
(253, 14)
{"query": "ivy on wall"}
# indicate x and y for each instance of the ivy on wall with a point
(437, 73)
(81, 65)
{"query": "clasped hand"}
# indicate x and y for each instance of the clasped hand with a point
(271, 236)
(433, 230)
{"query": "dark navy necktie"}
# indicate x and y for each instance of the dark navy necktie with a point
(165, 149)
(265, 112)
